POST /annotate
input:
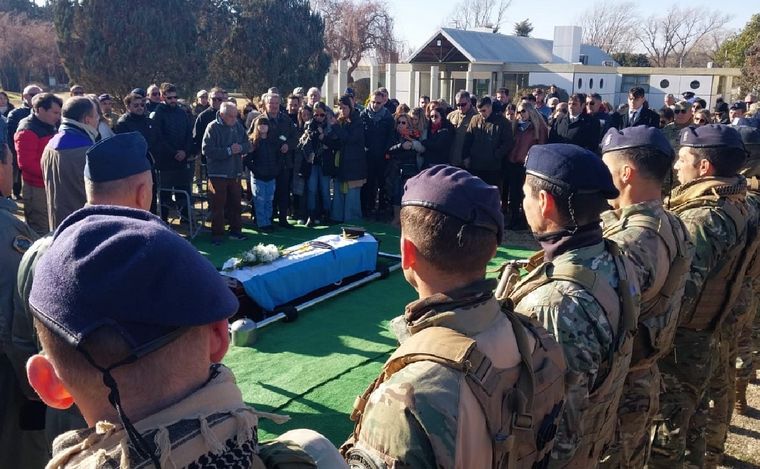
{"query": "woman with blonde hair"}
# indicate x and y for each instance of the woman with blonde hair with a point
(529, 129)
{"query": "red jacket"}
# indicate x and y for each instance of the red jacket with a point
(524, 140)
(30, 140)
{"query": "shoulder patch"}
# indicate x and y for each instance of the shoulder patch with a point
(21, 243)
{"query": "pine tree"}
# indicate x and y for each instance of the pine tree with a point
(523, 28)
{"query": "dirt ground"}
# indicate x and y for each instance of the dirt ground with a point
(743, 445)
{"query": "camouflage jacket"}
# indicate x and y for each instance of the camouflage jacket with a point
(594, 382)
(716, 215)
(658, 245)
(425, 415)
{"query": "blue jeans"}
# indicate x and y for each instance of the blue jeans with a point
(263, 195)
(348, 206)
(318, 185)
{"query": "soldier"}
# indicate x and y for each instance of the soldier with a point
(22, 441)
(711, 203)
(585, 292)
(657, 243)
(461, 383)
(745, 366)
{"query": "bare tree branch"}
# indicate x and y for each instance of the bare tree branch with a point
(609, 27)
(469, 14)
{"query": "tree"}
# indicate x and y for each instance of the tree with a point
(523, 28)
(266, 48)
(111, 45)
(27, 51)
(750, 79)
(670, 38)
(630, 59)
(733, 52)
(469, 14)
(354, 28)
(608, 26)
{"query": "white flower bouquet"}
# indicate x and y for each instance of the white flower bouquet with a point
(259, 254)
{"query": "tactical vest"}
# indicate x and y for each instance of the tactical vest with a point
(753, 230)
(600, 417)
(521, 405)
(721, 288)
(655, 332)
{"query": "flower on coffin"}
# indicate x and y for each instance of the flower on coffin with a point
(259, 254)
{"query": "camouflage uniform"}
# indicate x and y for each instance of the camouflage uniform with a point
(425, 415)
(659, 247)
(715, 214)
(590, 334)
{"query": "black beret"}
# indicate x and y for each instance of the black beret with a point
(711, 136)
(687, 94)
(750, 135)
(571, 167)
(105, 97)
(117, 157)
(459, 194)
(739, 105)
(636, 137)
(125, 269)
(139, 91)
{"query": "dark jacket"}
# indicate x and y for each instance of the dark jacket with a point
(309, 143)
(14, 119)
(174, 133)
(352, 165)
(265, 161)
(645, 116)
(129, 122)
(488, 142)
(378, 132)
(10, 108)
(217, 143)
(282, 126)
(584, 132)
(402, 160)
(438, 145)
(199, 128)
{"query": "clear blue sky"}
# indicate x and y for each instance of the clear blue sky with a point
(417, 20)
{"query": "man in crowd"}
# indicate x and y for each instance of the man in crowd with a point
(106, 106)
(224, 144)
(576, 126)
(669, 101)
(313, 96)
(656, 241)
(201, 103)
(218, 96)
(63, 160)
(711, 203)
(595, 109)
(292, 106)
(585, 292)
(283, 129)
(487, 144)
(378, 138)
(174, 148)
(14, 119)
(76, 90)
(154, 99)
(683, 117)
(502, 96)
(460, 118)
(32, 135)
(540, 104)
(426, 410)
(736, 113)
(638, 111)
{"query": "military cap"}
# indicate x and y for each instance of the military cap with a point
(456, 193)
(139, 91)
(105, 97)
(123, 268)
(681, 105)
(571, 167)
(711, 136)
(349, 91)
(687, 95)
(636, 137)
(117, 157)
(201, 94)
(740, 105)
(750, 135)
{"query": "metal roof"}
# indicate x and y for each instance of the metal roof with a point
(487, 47)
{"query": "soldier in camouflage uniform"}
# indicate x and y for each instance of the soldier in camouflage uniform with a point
(711, 203)
(428, 408)
(585, 292)
(658, 245)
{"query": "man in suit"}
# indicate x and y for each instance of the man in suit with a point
(638, 111)
(577, 126)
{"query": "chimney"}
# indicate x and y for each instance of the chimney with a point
(567, 44)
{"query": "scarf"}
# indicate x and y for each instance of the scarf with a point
(560, 242)
(376, 116)
(436, 126)
(91, 132)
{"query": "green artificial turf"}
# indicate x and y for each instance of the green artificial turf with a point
(312, 369)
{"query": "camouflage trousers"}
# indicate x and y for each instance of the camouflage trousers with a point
(685, 374)
(749, 344)
(638, 406)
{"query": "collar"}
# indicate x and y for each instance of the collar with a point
(612, 218)
(90, 131)
(560, 242)
(8, 204)
(710, 186)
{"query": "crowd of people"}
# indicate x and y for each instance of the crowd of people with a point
(630, 341)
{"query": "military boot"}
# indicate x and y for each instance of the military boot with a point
(740, 405)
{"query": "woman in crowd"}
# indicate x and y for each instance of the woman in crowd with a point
(321, 163)
(301, 169)
(440, 134)
(510, 112)
(702, 117)
(403, 162)
(530, 129)
(265, 164)
(104, 127)
(352, 162)
(401, 109)
(5, 105)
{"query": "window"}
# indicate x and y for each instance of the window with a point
(481, 87)
(694, 84)
(629, 81)
(664, 83)
(591, 83)
(580, 83)
(601, 83)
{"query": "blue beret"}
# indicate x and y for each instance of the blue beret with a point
(750, 135)
(637, 137)
(117, 157)
(711, 136)
(125, 269)
(139, 91)
(105, 97)
(739, 105)
(571, 167)
(459, 194)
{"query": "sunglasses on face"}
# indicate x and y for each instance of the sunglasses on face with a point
(217, 99)
(155, 93)
(402, 122)
(590, 103)
(680, 111)
(700, 121)
(462, 104)
(137, 105)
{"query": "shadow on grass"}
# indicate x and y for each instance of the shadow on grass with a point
(733, 463)
(744, 432)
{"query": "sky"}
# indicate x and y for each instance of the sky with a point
(417, 20)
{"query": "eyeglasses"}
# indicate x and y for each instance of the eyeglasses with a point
(700, 121)
(155, 93)
(590, 103)
(680, 111)
(319, 114)
(169, 97)
(217, 99)
(376, 102)
(402, 122)
(462, 104)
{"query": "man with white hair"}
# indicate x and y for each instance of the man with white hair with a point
(313, 96)
(224, 144)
